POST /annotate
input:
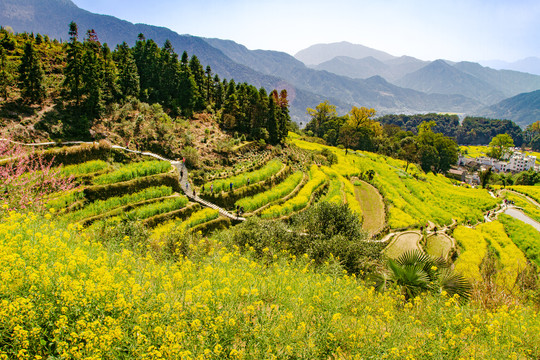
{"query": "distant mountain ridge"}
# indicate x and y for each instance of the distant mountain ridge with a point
(529, 65)
(319, 53)
(374, 92)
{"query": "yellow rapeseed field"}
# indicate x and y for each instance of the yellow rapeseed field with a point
(64, 295)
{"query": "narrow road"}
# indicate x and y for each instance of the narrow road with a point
(515, 213)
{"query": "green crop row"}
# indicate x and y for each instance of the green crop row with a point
(532, 191)
(161, 207)
(65, 199)
(301, 200)
(281, 190)
(101, 206)
(84, 168)
(271, 168)
(526, 237)
(132, 171)
(198, 217)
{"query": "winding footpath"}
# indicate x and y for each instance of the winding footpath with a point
(181, 169)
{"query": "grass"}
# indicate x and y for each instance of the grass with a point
(103, 206)
(530, 209)
(271, 168)
(65, 295)
(301, 200)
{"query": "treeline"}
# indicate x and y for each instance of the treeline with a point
(87, 77)
(472, 131)
(358, 130)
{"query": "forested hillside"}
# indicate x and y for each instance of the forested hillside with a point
(73, 90)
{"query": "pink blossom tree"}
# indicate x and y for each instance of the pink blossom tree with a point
(26, 178)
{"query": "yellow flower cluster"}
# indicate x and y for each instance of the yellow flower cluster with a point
(62, 295)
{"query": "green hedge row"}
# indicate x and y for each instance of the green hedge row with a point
(133, 171)
(101, 192)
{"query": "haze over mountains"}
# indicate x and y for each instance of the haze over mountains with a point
(345, 74)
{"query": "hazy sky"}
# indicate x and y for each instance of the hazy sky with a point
(427, 29)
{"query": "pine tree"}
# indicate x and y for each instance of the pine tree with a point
(74, 65)
(31, 75)
(208, 73)
(5, 75)
(128, 77)
(272, 119)
(91, 77)
(110, 75)
(284, 117)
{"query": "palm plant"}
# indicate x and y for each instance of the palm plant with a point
(416, 272)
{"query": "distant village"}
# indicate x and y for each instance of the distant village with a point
(467, 168)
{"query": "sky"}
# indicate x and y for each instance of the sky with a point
(457, 30)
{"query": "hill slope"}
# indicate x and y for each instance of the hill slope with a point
(524, 108)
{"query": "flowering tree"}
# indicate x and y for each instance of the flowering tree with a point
(26, 178)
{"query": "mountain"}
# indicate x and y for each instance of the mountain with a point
(269, 69)
(373, 92)
(529, 65)
(319, 53)
(523, 109)
(443, 78)
(391, 70)
(509, 82)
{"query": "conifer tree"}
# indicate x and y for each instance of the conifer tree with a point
(5, 75)
(31, 75)
(128, 77)
(271, 119)
(109, 75)
(91, 77)
(74, 65)
(208, 73)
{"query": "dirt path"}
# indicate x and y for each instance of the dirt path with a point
(372, 206)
